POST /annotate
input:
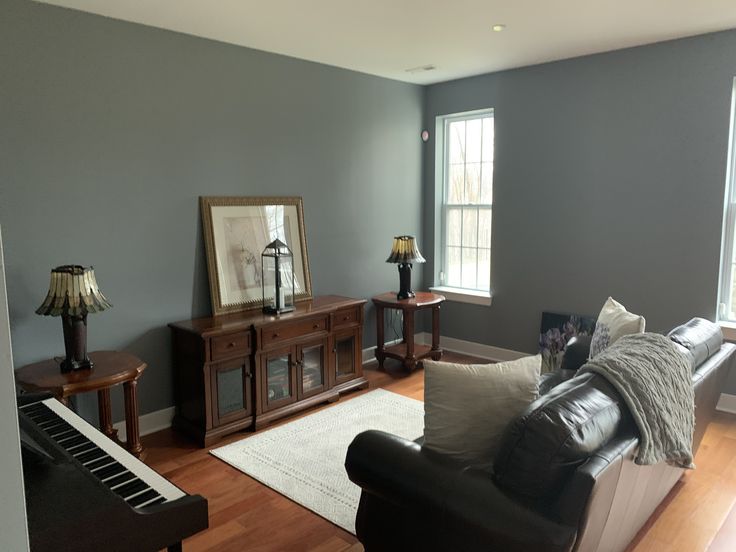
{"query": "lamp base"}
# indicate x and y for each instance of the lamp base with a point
(405, 291)
(71, 365)
(274, 310)
(75, 344)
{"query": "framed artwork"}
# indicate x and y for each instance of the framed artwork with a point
(236, 231)
(556, 330)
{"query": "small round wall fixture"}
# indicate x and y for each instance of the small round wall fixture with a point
(425, 135)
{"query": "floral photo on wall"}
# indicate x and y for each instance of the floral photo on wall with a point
(556, 330)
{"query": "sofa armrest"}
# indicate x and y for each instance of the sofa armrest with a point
(466, 502)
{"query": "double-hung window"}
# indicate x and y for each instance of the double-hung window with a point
(466, 170)
(727, 291)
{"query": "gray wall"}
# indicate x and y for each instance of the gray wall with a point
(13, 526)
(609, 180)
(110, 132)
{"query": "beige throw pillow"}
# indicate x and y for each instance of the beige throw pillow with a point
(467, 406)
(614, 322)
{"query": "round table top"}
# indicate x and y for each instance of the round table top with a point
(420, 300)
(110, 368)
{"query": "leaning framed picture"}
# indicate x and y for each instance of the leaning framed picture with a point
(236, 231)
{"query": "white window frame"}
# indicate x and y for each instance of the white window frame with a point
(725, 287)
(460, 294)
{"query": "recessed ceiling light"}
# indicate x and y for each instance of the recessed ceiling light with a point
(498, 27)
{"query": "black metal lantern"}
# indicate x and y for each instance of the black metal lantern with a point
(277, 269)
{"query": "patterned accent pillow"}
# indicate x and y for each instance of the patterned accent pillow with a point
(614, 322)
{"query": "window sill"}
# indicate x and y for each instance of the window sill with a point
(728, 329)
(460, 295)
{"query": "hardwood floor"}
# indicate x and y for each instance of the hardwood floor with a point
(246, 515)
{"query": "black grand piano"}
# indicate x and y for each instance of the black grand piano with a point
(85, 493)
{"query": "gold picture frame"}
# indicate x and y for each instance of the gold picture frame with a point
(236, 230)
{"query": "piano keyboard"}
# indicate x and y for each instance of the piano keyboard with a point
(120, 471)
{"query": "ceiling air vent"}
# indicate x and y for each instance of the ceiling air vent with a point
(421, 69)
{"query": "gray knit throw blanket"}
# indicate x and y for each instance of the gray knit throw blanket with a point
(655, 381)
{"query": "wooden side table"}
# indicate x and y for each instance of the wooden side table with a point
(406, 351)
(110, 368)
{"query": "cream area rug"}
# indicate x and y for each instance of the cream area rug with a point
(304, 459)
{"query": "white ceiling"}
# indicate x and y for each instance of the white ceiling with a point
(387, 37)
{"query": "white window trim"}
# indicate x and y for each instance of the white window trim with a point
(460, 295)
(729, 225)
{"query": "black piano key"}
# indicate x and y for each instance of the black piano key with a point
(51, 426)
(130, 488)
(115, 469)
(116, 480)
(153, 503)
(32, 407)
(93, 465)
(72, 442)
(93, 453)
(143, 497)
(87, 446)
(44, 416)
(63, 433)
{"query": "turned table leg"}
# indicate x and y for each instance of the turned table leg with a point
(131, 418)
(410, 361)
(105, 414)
(379, 337)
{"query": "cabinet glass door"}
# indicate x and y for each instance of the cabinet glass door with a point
(313, 369)
(344, 357)
(230, 387)
(230, 384)
(278, 379)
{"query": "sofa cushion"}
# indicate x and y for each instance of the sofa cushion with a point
(699, 339)
(558, 432)
(614, 322)
(467, 406)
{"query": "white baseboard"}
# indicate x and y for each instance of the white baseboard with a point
(369, 354)
(149, 423)
(488, 352)
(727, 403)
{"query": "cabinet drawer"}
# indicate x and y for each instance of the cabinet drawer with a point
(280, 333)
(347, 317)
(229, 345)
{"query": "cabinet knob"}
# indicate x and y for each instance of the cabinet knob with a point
(231, 345)
(346, 317)
(315, 327)
(275, 335)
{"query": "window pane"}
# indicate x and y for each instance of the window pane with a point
(473, 135)
(484, 269)
(456, 184)
(453, 266)
(470, 227)
(484, 228)
(454, 226)
(469, 267)
(472, 183)
(486, 183)
(488, 139)
(456, 133)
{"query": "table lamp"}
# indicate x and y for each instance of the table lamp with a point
(73, 293)
(405, 252)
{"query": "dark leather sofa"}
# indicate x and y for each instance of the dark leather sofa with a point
(563, 479)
